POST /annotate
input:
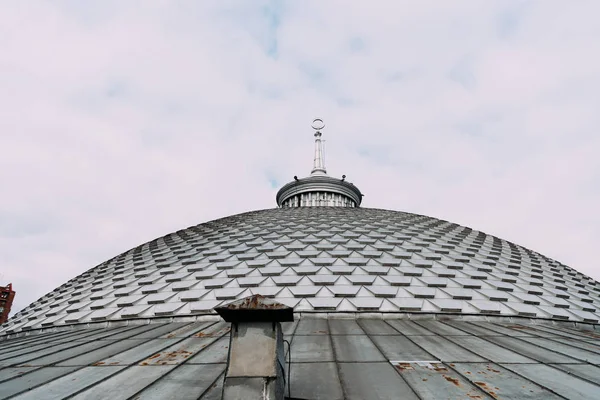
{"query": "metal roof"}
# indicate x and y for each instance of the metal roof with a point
(321, 259)
(332, 358)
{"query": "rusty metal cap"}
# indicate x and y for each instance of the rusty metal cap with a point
(256, 308)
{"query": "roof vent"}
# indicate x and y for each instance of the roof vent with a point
(256, 362)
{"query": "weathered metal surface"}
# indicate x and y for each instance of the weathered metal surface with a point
(38, 356)
(214, 330)
(486, 329)
(7, 346)
(355, 349)
(41, 376)
(444, 350)
(288, 328)
(316, 381)
(434, 381)
(440, 328)
(312, 326)
(138, 353)
(500, 383)
(187, 382)
(530, 350)
(178, 353)
(582, 344)
(29, 351)
(325, 365)
(377, 327)
(373, 381)
(9, 373)
(584, 371)
(559, 382)
(345, 327)
(216, 352)
(488, 350)
(105, 349)
(400, 348)
(69, 384)
(187, 330)
(409, 328)
(564, 349)
(125, 384)
(311, 348)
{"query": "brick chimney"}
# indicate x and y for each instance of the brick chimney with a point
(7, 294)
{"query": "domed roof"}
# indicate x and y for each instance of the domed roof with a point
(321, 259)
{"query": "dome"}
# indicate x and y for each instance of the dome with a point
(372, 304)
(321, 260)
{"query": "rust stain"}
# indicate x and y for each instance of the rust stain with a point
(485, 387)
(492, 369)
(425, 379)
(474, 396)
(520, 327)
(591, 334)
(98, 363)
(468, 373)
(451, 379)
(165, 358)
(114, 363)
(404, 366)
(440, 369)
(452, 365)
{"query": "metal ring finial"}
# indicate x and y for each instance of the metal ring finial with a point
(318, 124)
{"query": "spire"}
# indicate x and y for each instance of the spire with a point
(319, 162)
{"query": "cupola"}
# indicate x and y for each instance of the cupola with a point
(319, 189)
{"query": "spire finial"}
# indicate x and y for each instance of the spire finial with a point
(319, 162)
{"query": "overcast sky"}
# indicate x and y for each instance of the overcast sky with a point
(122, 121)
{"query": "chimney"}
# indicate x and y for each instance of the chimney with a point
(7, 295)
(256, 361)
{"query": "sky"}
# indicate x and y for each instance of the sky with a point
(123, 121)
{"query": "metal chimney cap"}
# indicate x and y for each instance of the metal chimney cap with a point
(256, 308)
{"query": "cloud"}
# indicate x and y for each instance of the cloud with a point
(122, 122)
